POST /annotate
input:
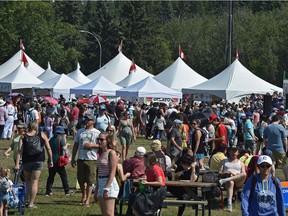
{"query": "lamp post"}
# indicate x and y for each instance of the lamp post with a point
(83, 31)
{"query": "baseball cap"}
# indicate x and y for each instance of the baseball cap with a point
(102, 107)
(249, 114)
(212, 117)
(177, 121)
(263, 159)
(140, 151)
(22, 125)
(156, 145)
(60, 130)
(89, 116)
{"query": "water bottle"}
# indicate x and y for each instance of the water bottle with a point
(141, 188)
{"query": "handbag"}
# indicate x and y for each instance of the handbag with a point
(62, 159)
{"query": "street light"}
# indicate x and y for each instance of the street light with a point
(83, 31)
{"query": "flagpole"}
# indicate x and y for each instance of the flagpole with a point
(83, 31)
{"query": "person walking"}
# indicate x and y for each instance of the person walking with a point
(262, 193)
(108, 188)
(32, 159)
(58, 145)
(3, 116)
(9, 123)
(85, 142)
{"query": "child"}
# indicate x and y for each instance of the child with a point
(49, 125)
(7, 195)
(158, 126)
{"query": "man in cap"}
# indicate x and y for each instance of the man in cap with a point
(275, 140)
(135, 165)
(85, 142)
(221, 137)
(249, 135)
(8, 127)
(102, 119)
(3, 115)
(156, 148)
(175, 140)
(31, 113)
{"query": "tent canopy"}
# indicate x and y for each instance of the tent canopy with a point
(20, 78)
(131, 79)
(79, 76)
(47, 74)
(11, 64)
(148, 87)
(59, 85)
(179, 75)
(117, 69)
(234, 82)
(100, 86)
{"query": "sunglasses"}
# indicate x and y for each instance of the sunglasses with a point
(101, 139)
(265, 166)
(193, 123)
(110, 130)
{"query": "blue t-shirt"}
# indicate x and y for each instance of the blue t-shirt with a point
(275, 133)
(248, 125)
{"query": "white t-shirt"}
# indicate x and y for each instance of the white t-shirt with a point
(87, 136)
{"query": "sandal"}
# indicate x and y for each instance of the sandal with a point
(86, 205)
(32, 206)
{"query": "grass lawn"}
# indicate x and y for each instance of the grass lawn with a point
(59, 204)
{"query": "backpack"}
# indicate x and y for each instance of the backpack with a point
(211, 177)
(4, 184)
(254, 181)
(29, 116)
(33, 145)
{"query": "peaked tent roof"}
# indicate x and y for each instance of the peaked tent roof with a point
(234, 82)
(117, 69)
(11, 64)
(179, 75)
(48, 74)
(60, 84)
(100, 86)
(20, 78)
(131, 79)
(148, 87)
(78, 75)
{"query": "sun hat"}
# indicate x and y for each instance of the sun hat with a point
(177, 121)
(156, 145)
(2, 102)
(22, 125)
(89, 116)
(249, 114)
(140, 151)
(60, 130)
(264, 159)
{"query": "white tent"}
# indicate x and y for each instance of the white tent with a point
(47, 74)
(20, 78)
(235, 81)
(79, 76)
(11, 64)
(131, 79)
(148, 87)
(58, 85)
(179, 75)
(117, 69)
(100, 86)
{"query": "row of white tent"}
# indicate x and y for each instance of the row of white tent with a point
(233, 83)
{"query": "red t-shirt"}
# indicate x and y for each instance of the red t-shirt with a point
(74, 113)
(219, 132)
(153, 174)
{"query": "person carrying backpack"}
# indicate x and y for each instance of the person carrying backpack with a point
(262, 193)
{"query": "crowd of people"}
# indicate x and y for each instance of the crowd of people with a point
(238, 140)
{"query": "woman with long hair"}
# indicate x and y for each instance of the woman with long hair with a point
(112, 131)
(108, 188)
(197, 143)
(31, 150)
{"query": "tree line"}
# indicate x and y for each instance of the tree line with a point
(151, 33)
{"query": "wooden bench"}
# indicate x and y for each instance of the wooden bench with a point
(173, 202)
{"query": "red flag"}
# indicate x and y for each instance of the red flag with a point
(21, 45)
(181, 54)
(237, 53)
(120, 46)
(25, 60)
(132, 67)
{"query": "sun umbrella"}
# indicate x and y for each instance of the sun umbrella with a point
(15, 94)
(84, 101)
(97, 99)
(50, 100)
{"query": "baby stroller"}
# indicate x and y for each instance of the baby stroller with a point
(19, 190)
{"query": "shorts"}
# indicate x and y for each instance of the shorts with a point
(73, 125)
(113, 190)
(250, 144)
(278, 157)
(199, 156)
(33, 166)
(86, 171)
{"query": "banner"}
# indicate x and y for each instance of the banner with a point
(175, 101)
(285, 193)
(202, 97)
(5, 87)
